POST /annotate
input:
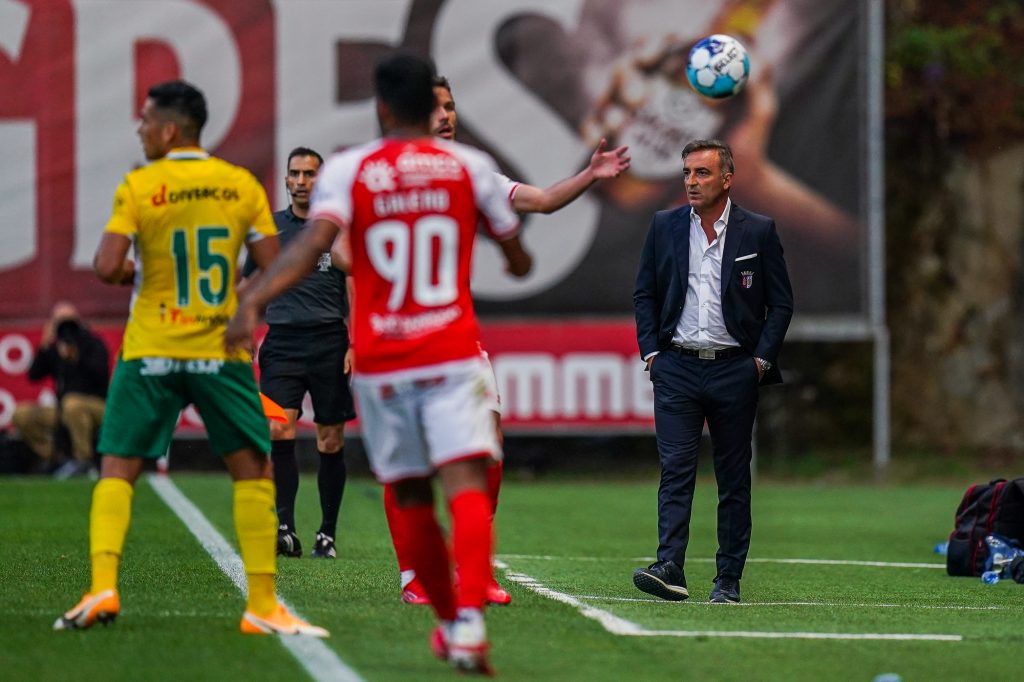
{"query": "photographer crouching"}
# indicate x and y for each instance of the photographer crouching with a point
(79, 363)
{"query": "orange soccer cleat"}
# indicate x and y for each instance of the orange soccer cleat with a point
(280, 621)
(102, 607)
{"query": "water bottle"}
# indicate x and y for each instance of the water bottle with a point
(1001, 552)
(990, 577)
(942, 548)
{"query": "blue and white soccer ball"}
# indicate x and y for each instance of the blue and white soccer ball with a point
(718, 66)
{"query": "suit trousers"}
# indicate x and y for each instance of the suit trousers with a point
(687, 392)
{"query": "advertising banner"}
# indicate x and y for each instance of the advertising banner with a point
(537, 83)
(572, 377)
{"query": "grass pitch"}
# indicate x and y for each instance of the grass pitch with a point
(570, 549)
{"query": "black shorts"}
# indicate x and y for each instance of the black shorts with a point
(297, 360)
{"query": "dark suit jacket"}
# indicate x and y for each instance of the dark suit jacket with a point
(757, 299)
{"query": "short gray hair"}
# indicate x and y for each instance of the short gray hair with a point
(724, 152)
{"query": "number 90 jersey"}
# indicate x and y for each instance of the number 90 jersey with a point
(411, 208)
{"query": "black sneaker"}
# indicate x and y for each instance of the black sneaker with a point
(288, 542)
(726, 591)
(1016, 569)
(662, 579)
(323, 547)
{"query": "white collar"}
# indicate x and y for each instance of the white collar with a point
(720, 224)
(180, 153)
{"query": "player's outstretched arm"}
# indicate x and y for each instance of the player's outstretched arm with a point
(603, 164)
(294, 263)
(111, 261)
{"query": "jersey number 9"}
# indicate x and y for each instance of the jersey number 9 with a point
(424, 255)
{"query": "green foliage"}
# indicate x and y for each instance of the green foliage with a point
(957, 70)
(954, 76)
(180, 614)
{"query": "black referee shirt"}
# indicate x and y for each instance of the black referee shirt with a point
(319, 299)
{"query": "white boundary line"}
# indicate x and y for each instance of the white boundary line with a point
(319, 660)
(620, 626)
(692, 603)
(761, 560)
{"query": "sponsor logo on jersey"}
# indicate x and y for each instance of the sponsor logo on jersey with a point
(178, 196)
(422, 167)
(179, 316)
(378, 176)
(160, 367)
(397, 326)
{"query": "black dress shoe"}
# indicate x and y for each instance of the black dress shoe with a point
(662, 579)
(726, 591)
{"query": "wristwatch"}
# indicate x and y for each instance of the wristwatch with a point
(763, 364)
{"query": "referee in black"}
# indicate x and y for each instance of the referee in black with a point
(306, 350)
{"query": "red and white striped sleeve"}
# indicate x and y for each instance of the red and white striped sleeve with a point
(492, 198)
(508, 185)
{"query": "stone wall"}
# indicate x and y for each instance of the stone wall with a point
(956, 310)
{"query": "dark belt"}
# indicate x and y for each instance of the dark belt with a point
(708, 353)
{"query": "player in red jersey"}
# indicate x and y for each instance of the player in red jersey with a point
(408, 207)
(525, 198)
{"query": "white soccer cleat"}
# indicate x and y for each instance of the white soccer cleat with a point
(467, 644)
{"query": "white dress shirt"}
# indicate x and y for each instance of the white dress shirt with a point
(702, 324)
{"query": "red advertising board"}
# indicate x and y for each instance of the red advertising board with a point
(570, 376)
(559, 376)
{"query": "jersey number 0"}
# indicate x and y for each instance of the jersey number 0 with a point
(427, 258)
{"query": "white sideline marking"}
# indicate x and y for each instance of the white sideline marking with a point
(692, 603)
(317, 658)
(813, 562)
(876, 636)
(843, 562)
(620, 626)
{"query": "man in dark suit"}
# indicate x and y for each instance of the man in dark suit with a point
(713, 303)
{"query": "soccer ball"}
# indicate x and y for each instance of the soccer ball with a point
(718, 66)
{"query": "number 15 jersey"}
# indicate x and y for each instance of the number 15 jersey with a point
(189, 214)
(412, 208)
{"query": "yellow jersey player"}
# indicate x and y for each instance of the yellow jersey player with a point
(188, 215)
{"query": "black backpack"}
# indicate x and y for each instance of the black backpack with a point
(993, 508)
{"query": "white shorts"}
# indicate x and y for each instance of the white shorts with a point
(417, 420)
(492, 383)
